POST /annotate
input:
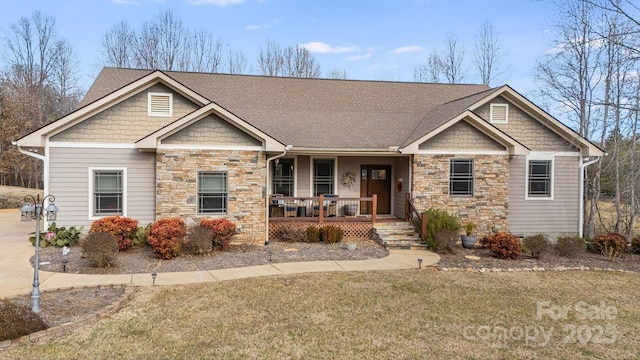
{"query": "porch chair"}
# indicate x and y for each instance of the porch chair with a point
(276, 208)
(328, 206)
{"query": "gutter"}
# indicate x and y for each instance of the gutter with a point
(45, 170)
(583, 168)
(266, 190)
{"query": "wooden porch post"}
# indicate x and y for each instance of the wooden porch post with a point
(320, 212)
(375, 208)
(423, 227)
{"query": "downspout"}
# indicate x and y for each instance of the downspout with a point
(583, 168)
(266, 190)
(45, 170)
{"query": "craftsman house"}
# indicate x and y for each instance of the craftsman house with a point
(153, 144)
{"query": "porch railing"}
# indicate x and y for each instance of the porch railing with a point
(323, 208)
(417, 218)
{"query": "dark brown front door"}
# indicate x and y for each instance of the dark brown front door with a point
(376, 179)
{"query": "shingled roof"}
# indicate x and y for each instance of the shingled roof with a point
(319, 113)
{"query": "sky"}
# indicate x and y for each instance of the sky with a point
(369, 39)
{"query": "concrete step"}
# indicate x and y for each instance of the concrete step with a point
(400, 235)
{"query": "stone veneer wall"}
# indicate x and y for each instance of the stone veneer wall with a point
(177, 172)
(489, 206)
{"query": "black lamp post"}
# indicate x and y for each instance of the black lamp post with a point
(32, 210)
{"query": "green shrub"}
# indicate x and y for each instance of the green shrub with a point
(570, 246)
(223, 231)
(140, 237)
(610, 245)
(537, 245)
(313, 234)
(446, 241)
(292, 234)
(165, 237)
(438, 220)
(58, 236)
(199, 240)
(101, 248)
(17, 320)
(504, 245)
(331, 234)
(123, 228)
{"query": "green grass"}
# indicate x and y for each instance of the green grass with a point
(371, 315)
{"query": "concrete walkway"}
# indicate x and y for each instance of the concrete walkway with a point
(16, 273)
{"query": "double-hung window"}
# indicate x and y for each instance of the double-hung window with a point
(461, 177)
(212, 192)
(108, 192)
(323, 176)
(283, 176)
(539, 183)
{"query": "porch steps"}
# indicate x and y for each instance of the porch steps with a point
(397, 235)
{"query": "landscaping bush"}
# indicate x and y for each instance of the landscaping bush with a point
(331, 234)
(165, 237)
(58, 236)
(17, 320)
(101, 248)
(537, 245)
(438, 220)
(570, 246)
(504, 245)
(292, 234)
(223, 230)
(446, 241)
(635, 245)
(199, 240)
(123, 228)
(140, 237)
(313, 234)
(610, 245)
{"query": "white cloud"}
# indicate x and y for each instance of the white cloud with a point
(262, 26)
(358, 57)
(124, 2)
(406, 49)
(323, 48)
(215, 2)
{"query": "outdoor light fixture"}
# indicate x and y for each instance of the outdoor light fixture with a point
(270, 253)
(154, 275)
(419, 263)
(32, 210)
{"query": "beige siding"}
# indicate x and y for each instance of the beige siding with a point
(212, 130)
(127, 121)
(461, 136)
(303, 173)
(556, 217)
(69, 182)
(528, 131)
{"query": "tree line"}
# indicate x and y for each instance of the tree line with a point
(590, 77)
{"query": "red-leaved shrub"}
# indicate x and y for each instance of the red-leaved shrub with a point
(165, 237)
(504, 245)
(223, 230)
(123, 228)
(610, 245)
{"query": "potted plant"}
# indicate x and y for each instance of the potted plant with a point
(468, 240)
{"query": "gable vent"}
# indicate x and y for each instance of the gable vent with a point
(160, 104)
(499, 113)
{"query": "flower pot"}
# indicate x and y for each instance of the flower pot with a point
(468, 242)
(350, 246)
(350, 209)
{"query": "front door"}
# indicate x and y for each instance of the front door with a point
(376, 179)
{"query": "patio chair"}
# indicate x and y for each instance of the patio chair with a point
(276, 208)
(328, 206)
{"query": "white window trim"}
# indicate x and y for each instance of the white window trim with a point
(151, 113)
(335, 172)
(506, 115)
(526, 176)
(295, 176)
(473, 178)
(92, 216)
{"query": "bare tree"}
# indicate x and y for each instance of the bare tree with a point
(451, 60)
(270, 61)
(237, 62)
(432, 71)
(338, 73)
(487, 53)
(117, 45)
(297, 61)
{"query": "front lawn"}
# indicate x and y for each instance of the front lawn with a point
(372, 315)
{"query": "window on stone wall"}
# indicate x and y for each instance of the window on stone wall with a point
(461, 177)
(539, 179)
(212, 192)
(108, 192)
